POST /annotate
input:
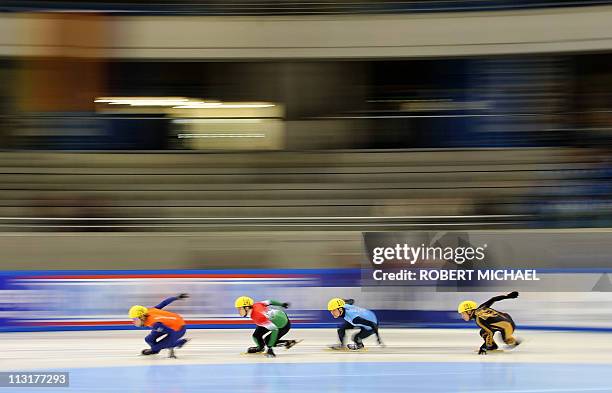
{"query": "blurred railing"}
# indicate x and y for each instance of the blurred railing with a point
(287, 7)
(260, 223)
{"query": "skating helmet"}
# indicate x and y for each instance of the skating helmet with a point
(335, 303)
(137, 311)
(243, 301)
(467, 305)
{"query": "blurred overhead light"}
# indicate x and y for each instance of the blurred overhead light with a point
(232, 120)
(143, 101)
(219, 105)
(188, 136)
(178, 103)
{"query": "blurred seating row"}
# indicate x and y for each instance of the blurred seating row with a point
(277, 189)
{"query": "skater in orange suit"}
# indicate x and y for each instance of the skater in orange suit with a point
(167, 327)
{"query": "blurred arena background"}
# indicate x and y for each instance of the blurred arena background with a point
(149, 148)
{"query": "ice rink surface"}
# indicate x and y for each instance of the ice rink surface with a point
(414, 360)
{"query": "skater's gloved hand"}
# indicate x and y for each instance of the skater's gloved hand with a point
(270, 353)
(285, 305)
(254, 349)
(482, 350)
(183, 296)
(513, 295)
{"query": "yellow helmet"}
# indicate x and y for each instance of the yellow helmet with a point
(335, 303)
(243, 301)
(137, 311)
(467, 305)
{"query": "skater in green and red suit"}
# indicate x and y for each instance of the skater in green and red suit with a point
(271, 320)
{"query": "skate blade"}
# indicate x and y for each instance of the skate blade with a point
(345, 349)
(491, 351)
(296, 343)
(253, 354)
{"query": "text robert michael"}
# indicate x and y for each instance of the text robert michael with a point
(456, 275)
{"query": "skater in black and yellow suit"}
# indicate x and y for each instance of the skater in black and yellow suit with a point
(490, 321)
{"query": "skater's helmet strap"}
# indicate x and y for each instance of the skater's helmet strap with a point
(243, 301)
(335, 303)
(466, 306)
(137, 311)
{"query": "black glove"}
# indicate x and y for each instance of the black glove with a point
(183, 296)
(349, 301)
(254, 349)
(270, 353)
(285, 305)
(482, 350)
(512, 295)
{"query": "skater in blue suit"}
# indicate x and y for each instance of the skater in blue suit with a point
(354, 317)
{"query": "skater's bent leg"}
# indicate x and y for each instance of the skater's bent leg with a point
(179, 340)
(362, 334)
(258, 336)
(172, 340)
(162, 344)
(281, 332)
(152, 338)
(486, 332)
(507, 329)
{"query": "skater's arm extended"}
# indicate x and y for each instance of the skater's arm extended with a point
(166, 302)
(489, 303)
(170, 300)
(275, 303)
